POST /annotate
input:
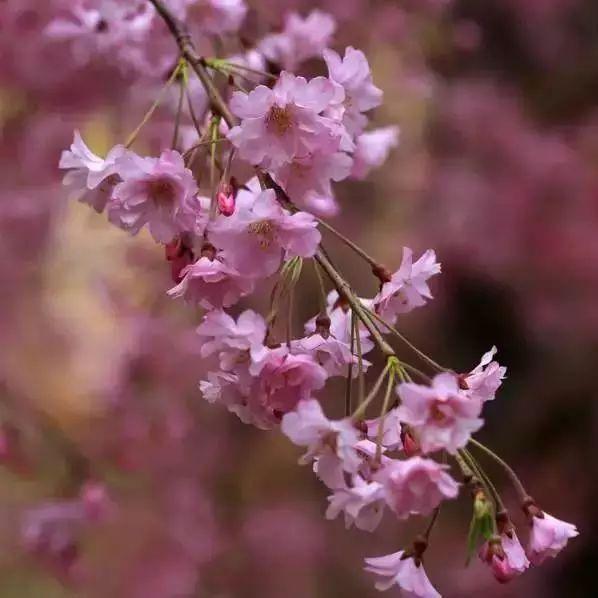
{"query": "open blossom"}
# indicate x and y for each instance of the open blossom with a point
(505, 556)
(548, 537)
(372, 149)
(300, 40)
(313, 173)
(404, 571)
(353, 76)
(282, 379)
(441, 416)
(159, 193)
(415, 486)
(89, 178)
(362, 504)
(408, 286)
(308, 426)
(212, 283)
(333, 355)
(260, 231)
(220, 333)
(485, 379)
(391, 435)
(282, 123)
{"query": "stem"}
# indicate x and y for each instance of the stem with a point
(383, 412)
(133, 136)
(349, 387)
(359, 412)
(179, 111)
(344, 290)
(399, 335)
(225, 65)
(432, 522)
(358, 250)
(481, 474)
(519, 488)
(356, 336)
(322, 289)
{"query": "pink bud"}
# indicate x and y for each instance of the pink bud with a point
(226, 202)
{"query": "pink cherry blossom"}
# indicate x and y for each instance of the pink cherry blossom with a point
(372, 149)
(441, 416)
(415, 486)
(352, 74)
(313, 173)
(548, 537)
(391, 436)
(282, 123)
(282, 379)
(362, 504)
(212, 283)
(506, 558)
(260, 232)
(300, 40)
(408, 286)
(159, 193)
(89, 178)
(308, 426)
(404, 571)
(333, 355)
(220, 333)
(485, 379)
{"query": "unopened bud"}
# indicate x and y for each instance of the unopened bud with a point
(225, 199)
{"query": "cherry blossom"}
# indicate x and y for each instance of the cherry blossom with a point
(300, 39)
(403, 570)
(285, 122)
(89, 178)
(372, 149)
(353, 78)
(548, 537)
(505, 556)
(485, 379)
(391, 436)
(212, 283)
(408, 287)
(441, 416)
(415, 486)
(362, 504)
(159, 193)
(260, 232)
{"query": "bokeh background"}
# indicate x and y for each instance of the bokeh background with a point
(497, 169)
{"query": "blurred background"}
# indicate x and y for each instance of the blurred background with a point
(117, 479)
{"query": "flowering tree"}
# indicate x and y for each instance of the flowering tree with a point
(238, 197)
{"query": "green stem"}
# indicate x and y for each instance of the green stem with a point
(360, 411)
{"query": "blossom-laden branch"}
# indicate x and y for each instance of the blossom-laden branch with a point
(300, 136)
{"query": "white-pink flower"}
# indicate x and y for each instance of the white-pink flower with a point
(372, 149)
(312, 173)
(505, 556)
(352, 74)
(548, 537)
(282, 379)
(308, 426)
(415, 486)
(408, 286)
(402, 570)
(282, 123)
(300, 40)
(441, 415)
(212, 283)
(159, 193)
(485, 379)
(220, 333)
(89, 178)
(333, 355)
(260, 232)
(362, 504)
(216, 16)
(391, 435)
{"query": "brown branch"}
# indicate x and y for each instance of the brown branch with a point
(188, 52)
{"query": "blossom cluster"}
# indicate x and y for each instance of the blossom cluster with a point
(227, 234)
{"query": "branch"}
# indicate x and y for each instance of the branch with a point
(183, 40)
